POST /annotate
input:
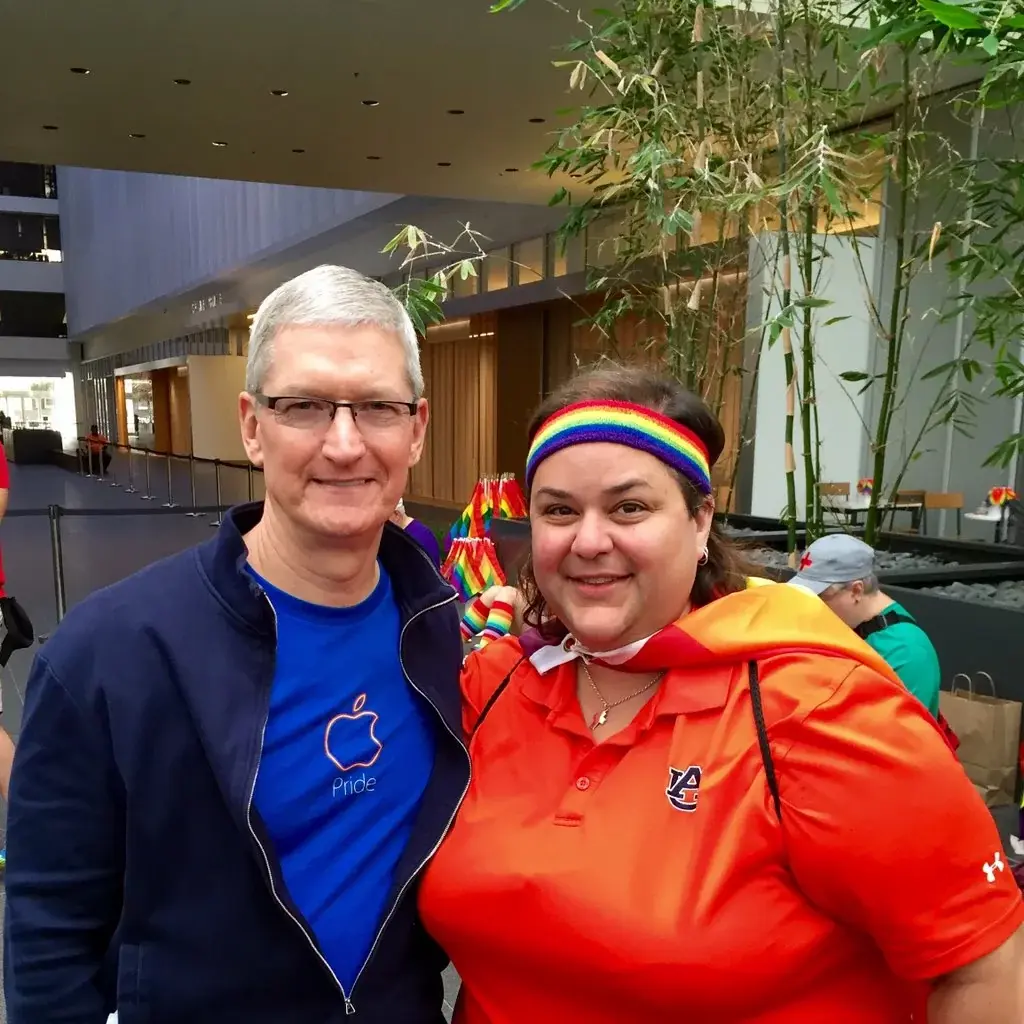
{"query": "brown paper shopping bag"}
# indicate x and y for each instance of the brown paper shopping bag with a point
(989, 731)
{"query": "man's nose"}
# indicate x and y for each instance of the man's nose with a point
(343, 439)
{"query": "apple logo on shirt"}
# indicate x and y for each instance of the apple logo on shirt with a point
(350, 740)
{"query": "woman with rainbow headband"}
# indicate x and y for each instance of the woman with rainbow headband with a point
(696, 801)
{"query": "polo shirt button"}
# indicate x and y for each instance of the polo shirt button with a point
(583, 783)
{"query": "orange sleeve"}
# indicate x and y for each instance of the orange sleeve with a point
(482, 673)
(884, 830)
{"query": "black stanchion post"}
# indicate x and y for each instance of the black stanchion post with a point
(192, 485)
(81, 463)
(148, 496)
(113, 479)
(130, 489)
(57, 556)
(170, 502)
(220, 500)
(250, 480)
(89, 449)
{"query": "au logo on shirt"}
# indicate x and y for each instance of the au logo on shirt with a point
(684, 787)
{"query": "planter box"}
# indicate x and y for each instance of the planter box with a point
(970, 636)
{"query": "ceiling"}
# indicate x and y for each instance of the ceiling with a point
(413, 60)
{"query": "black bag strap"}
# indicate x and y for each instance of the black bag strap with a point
(762, 737)
(494, 696)
(883, 620)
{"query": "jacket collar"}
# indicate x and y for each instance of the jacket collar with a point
(416, 582)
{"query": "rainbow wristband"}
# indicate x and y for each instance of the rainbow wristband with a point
(487, 625)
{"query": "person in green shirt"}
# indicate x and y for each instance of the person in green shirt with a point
(841, 570)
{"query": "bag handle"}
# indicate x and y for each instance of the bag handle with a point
(962, 675)
(991, 681)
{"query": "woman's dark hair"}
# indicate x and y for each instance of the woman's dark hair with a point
(725, 571)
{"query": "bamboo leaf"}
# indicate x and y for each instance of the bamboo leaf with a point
(952, 15)
(853, 376)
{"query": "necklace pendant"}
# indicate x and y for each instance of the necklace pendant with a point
(599, 719)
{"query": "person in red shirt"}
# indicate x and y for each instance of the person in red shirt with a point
(695, 799)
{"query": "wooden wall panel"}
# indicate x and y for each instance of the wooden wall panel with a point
(421, 477)
(520, 375)
(460, 374)
(445, 399)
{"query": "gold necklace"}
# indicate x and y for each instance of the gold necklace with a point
(602, 716)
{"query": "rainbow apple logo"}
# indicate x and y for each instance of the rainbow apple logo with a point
(349, 739)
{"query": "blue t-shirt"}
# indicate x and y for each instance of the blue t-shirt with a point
(347, 753)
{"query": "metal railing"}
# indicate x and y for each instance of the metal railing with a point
(56, 516)
(91, 464)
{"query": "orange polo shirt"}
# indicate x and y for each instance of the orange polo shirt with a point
(646, 878)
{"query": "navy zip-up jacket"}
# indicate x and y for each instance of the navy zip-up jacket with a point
(140, 876)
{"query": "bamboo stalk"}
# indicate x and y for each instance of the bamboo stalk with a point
(893, 349)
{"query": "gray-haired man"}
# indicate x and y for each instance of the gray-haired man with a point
(234, 765)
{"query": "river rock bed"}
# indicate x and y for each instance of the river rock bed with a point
(886, 561)
(1006, 594)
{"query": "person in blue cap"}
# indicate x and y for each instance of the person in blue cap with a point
(840, 569)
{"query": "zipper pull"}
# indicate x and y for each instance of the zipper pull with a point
(349, 1008)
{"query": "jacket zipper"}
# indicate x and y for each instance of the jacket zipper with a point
(349, 1007)
(455, 809)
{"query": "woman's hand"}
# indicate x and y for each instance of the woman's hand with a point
(510, 596)
(495, 613)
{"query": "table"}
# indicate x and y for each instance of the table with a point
(852, 508)
(994, 515)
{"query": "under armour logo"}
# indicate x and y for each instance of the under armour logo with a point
(684, 787)
(991, 869)
(806, 562)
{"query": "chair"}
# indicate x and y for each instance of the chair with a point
(943, 500)
(916, 514)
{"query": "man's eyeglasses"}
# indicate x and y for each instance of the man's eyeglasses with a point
(319, 413)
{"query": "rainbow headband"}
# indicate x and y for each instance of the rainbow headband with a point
(622, 423)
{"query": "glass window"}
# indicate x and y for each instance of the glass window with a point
(569, 261)
(528, 259)
(601, 241)
(496, 269)
(463, 289)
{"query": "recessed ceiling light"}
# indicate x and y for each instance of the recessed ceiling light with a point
(182, 81)
(279, 92)
(79, 71)
(50, 128)
(371, 103)
(136, 135)
(537, 120)
(298, 151)
(511, 170)
(218, 142)
(444, 163)
(373, 158)
(456, 111)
